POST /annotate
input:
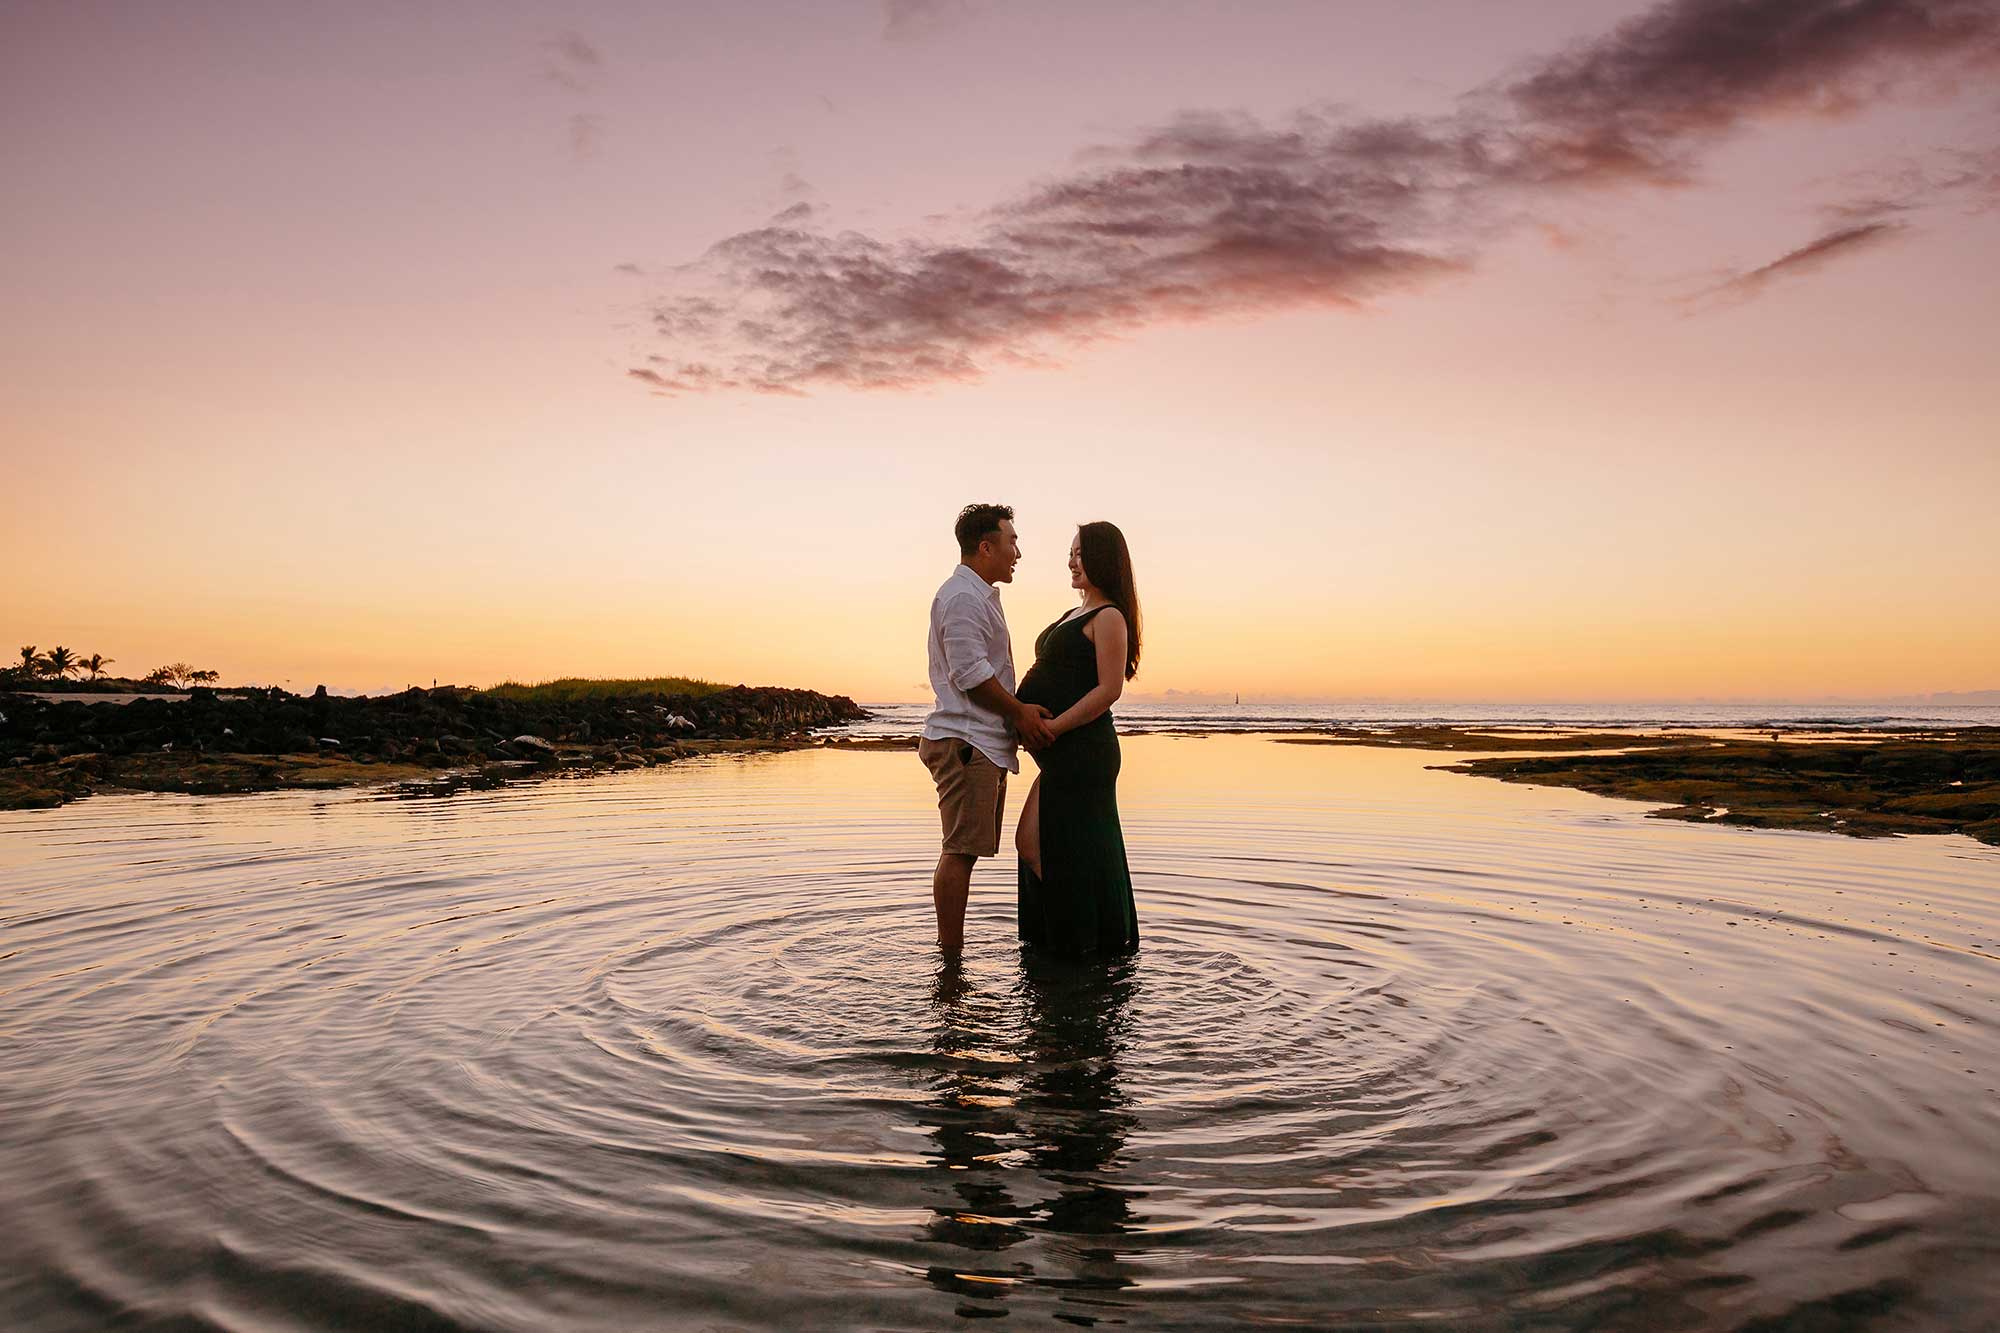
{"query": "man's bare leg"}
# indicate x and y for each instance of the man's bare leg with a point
(949, 887)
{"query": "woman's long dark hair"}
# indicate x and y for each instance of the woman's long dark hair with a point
(1108, 565)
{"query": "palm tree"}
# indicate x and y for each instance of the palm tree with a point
(31, 661)
(59, 662)
(95, 664)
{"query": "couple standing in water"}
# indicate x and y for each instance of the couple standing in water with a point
(1075, 885)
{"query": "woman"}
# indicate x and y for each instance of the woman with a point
(1076, 890)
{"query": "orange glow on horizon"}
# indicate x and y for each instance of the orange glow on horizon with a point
(370, 425)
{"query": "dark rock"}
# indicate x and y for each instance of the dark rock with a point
(443, 726)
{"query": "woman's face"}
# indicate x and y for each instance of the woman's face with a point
(1076, 578)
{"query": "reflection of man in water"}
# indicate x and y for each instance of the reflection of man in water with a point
(969, 737)
(971, 1118)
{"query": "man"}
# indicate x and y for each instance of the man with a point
(969, 738)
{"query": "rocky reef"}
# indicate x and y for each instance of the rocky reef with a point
(259, 740)
(1933, 782)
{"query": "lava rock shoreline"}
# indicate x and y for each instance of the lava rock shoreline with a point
(269, 739)
(1867, 787)
(1862, 784)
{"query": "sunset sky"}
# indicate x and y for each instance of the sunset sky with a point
(1433, 349)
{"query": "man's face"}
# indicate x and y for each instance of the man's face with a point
(1003, 551)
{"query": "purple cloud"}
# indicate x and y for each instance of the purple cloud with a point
(1642, 101)
(1911, 186)
(909, 20)
(1813, 255)
(1212, 216)
(570, 62)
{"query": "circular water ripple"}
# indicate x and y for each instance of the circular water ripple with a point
(675, 1048)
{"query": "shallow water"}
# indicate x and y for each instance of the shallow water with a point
(673, 1048)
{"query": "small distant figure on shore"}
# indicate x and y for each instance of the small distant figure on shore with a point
(1075, 888)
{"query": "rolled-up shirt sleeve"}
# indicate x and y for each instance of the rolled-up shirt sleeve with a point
(967, 646)
(963, 639)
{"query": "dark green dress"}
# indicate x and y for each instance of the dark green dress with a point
(1082, 901)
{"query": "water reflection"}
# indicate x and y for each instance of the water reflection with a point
(655, 1049)
(1029, 1121)
(971, 1119)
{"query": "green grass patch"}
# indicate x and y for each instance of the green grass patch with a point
(571, 688)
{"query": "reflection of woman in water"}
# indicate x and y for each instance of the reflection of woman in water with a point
(1075, 885)
(1071, 1106)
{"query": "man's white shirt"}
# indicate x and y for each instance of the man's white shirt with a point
(970, 645)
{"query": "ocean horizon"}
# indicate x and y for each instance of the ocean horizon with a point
(1205, 714)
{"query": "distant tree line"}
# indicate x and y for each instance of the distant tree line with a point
(180, 675)
(60, 664)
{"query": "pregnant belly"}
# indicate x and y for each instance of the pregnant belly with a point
(1038, 688)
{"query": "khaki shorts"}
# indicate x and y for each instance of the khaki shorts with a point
(971, 789)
